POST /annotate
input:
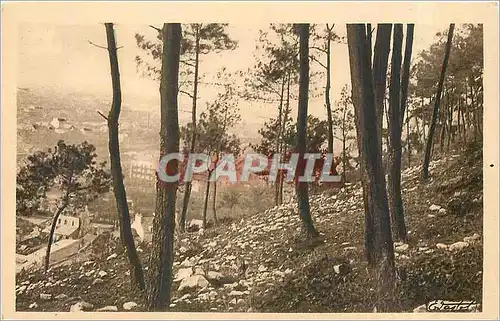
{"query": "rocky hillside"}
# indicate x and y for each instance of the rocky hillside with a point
(262, 263)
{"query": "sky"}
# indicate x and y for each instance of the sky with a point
(60, 57)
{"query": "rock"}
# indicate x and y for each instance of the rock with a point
(457, 246)
(195, 225)
(183, 273)
(441, 246)
(81, 306)
(472, 239)
(420, 309)
(442, 211)
(402, 248)
(215, 276)
(188, 262)
(45, 296)
(235, 293)
(195, 281)
(199, 271)
(33, 305)
(21, 288)
(61, 296)
(108, 308)
(97, 281)
(102, 274)
(129, 305)
(434, 207)
(431, 215)
(112, 256)
(172, 305)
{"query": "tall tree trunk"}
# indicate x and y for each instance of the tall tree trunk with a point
(127, 238)
(214, 202)
(380, 63)
(205, 204)
(408, 147)
(364, 102)
(302, 187)
(395, 149)
(189, 184)
(327, 90)
(474, 112)
(162, 252)
(430, 136)
(278, 141)
(61, 208)
(405, 79)
(459, 115)
(283, 148)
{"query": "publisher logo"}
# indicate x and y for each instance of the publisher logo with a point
(452, 306)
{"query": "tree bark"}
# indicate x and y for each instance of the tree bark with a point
(61, 208)
(214, 200)
(302, 187)
(327, 90)
(380, 63)
(205, 204)
(371, 151)
(427, 159)
(127, 238)
(395, 149)
(162, 252)
(278, 141)
(187, 192)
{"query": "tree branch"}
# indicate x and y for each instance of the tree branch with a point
(319, 49)
(102, 115)
(155, 28)
(186, 93)
(319, 62)
(98, 46)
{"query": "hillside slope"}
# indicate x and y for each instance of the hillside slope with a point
(262, 263)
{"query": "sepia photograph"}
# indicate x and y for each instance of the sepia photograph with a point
(216, 164)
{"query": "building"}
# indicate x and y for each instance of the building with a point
(67, 227)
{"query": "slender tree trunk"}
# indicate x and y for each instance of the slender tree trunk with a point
(127, 238)
(408, 147)
(283, 148)
(278, 140)
(214, 201)
(450, 121)
(459, 115)
(474, 112)
(405, 80)
(364, 102)
(162, 252)
(405, 77)
(380, 63)
(302, 187)
(327, 90)
(61, 208)
(395, 149)
(187, 192)
(427, 159)
(205, 204)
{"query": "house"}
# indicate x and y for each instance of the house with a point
(67, 227)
